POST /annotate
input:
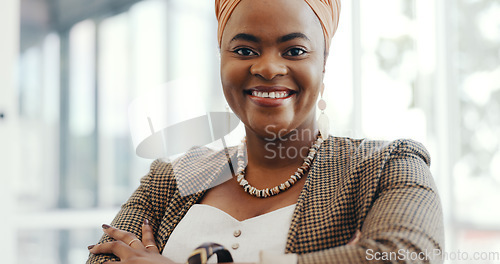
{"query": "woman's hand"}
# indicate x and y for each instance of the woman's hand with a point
(129, 248)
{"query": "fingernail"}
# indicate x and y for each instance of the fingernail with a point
(105, 226)
(146, 221)
(90, 247)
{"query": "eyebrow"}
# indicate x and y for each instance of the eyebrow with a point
(292, 36)
(244, 36)
(285, 38)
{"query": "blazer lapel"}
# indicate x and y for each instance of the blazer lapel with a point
(320, 219)
(193, 175)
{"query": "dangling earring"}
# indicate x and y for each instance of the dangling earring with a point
(323, 121)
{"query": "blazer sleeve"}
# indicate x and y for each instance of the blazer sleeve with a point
(132, 214)
(405, 222)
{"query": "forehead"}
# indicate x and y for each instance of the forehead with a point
(270, 19)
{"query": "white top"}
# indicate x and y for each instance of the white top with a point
(244, 239)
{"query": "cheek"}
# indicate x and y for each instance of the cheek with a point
(233, 74)
(309, 78)
(233, 78)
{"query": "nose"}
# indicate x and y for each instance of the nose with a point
(269, 67)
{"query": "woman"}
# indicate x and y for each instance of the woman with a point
(348, 201)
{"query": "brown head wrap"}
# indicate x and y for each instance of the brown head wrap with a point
(327, 11)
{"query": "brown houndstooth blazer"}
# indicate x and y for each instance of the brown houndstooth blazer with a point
(384, 189)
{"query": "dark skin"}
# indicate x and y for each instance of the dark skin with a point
(282, 46)
(264, 59)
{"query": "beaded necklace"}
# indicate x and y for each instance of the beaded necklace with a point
(268, 192)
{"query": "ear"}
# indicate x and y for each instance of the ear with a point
(324, 64)
(324, 60)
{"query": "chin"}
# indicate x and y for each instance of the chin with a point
(271, 130)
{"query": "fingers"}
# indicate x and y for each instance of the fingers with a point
(148, 238)
(123, 236)
(117, 248)
(127, 244)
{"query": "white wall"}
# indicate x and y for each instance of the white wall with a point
(9, 156)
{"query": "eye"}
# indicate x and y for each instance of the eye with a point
(295, 52)
(245, 52)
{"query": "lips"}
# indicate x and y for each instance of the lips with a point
(270, 96)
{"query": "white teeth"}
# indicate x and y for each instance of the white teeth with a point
(280, 94)
(270, 95)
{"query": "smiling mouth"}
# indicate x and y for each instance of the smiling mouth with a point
(270, 92)
(271, 95)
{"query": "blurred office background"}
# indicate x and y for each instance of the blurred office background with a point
(427, 70)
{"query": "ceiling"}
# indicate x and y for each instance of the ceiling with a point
(38, 17)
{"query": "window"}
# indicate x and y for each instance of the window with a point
(75, 125)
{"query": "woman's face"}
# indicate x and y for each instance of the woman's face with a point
(272, 65)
